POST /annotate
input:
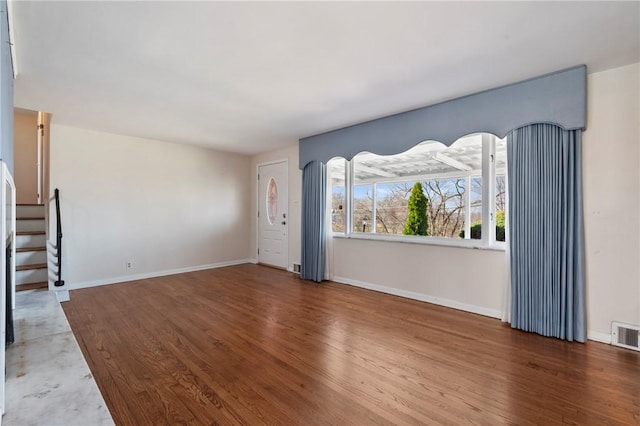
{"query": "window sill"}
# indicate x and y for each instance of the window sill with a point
(431, 241)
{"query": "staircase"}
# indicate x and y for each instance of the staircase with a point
(31, 248)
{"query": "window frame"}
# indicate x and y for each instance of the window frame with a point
(488, 175)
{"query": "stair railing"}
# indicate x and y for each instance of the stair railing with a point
(59, 282)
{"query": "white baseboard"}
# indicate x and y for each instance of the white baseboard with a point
(125, 278)
(422, 297)
(597, 336)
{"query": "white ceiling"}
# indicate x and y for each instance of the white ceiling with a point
(251, 77)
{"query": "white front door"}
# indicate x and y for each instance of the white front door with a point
(273, 217)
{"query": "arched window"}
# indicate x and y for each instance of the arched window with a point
(463, 192)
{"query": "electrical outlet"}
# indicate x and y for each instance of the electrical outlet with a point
(129, 264)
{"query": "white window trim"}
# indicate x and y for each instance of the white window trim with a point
(488, 191)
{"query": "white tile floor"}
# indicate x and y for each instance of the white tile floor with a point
(48, 381)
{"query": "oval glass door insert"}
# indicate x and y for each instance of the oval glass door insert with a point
(272, 201)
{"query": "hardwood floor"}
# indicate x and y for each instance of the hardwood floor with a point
(254, 345)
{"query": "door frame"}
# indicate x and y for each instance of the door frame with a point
(268, 163)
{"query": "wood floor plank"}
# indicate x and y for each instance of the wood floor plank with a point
(254, 345)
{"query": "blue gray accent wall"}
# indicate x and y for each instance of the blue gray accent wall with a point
(6, 90)
(559, 98)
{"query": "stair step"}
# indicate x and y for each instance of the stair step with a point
(32, 286)
(29, 276)
(30, 233)
(30, 225)
(30, 240)
(31, 267)
(30, 210)
(27, 249)
(30, 218)
(30, 256)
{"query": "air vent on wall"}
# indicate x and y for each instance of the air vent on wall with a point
(625, 335)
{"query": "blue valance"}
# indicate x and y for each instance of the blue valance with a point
(559, 98)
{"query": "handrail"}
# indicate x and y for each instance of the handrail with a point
(58, 282)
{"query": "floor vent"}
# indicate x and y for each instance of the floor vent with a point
(625, 335)
(296, 267)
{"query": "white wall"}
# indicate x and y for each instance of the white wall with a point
(25, 156)
(163, 206)
(295, 188)
(611, 160)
